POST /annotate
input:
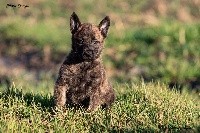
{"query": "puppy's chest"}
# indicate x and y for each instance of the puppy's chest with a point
(83, 74)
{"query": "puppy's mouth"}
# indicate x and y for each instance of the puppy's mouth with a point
(89, 54)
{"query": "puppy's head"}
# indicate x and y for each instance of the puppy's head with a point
(87, 39)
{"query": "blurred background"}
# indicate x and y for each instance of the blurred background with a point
(150, 40)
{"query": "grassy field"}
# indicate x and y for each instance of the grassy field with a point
(160, 45)
(156, 41)
(139, 107)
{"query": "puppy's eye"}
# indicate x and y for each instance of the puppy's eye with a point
(80, 41)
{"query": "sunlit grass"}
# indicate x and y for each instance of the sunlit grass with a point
(138, 107)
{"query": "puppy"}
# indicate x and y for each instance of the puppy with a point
(82, 79)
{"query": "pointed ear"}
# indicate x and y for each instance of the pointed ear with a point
(74, 23)
(104, 26)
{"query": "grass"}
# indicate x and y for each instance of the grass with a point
(37, 34)
(139, 107)
(156, 50)
(167, 51)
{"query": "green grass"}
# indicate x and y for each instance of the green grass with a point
(38, 34)
(138, 107)
(168, 52)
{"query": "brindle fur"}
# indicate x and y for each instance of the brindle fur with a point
(82, 79)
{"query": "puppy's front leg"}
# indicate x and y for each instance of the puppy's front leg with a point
(94, 103)
(60, 95)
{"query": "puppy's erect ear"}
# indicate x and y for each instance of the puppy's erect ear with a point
(74, 23)
(104, 26)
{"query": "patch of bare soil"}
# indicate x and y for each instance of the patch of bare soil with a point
(16, 61)
(28, 62)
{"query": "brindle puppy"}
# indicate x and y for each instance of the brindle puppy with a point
(82, 79)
